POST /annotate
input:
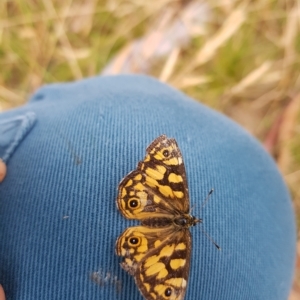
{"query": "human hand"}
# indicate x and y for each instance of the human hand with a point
(2, 295)
(2, 175)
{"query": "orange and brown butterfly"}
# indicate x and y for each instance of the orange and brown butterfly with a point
(157, 253)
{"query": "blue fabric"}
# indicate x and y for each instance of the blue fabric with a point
(59, 221)
(12, 131)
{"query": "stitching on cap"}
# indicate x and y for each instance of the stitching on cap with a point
(21, 124)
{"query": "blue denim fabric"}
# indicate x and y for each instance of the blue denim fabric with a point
(59, 221)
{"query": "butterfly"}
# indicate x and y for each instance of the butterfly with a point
(157, 253)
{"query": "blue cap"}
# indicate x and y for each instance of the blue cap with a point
(67, 150)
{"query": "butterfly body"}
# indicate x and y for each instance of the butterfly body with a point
(157, 253)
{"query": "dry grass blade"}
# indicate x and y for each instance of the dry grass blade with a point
(9, 95)
(229, 27)
(62, 37)
(169, 66)
(288, 42)
(191, 81)
(251, 78)
(290, 32)
(208, 51)
(286, 132)
(48, 16)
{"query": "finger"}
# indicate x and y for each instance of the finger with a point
(2, 295)
(2, 172)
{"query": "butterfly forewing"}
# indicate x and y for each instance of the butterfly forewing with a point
(158, 185)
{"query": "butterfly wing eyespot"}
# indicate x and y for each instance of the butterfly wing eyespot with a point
(157, 253)
(134, 203)
(134, 241)
(166, 153)
(168, 292)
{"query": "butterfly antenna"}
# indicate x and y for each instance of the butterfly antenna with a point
(210, 238)
(206, 234)
(205, 201)
(200, 220)
(207, 198)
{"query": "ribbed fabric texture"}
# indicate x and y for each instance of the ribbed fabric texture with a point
(12, 131)
(59, 221)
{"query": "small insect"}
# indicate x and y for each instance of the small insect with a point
(157, 253)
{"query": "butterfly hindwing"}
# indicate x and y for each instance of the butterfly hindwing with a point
(158, 259)
(135, 242)
(158, 185)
